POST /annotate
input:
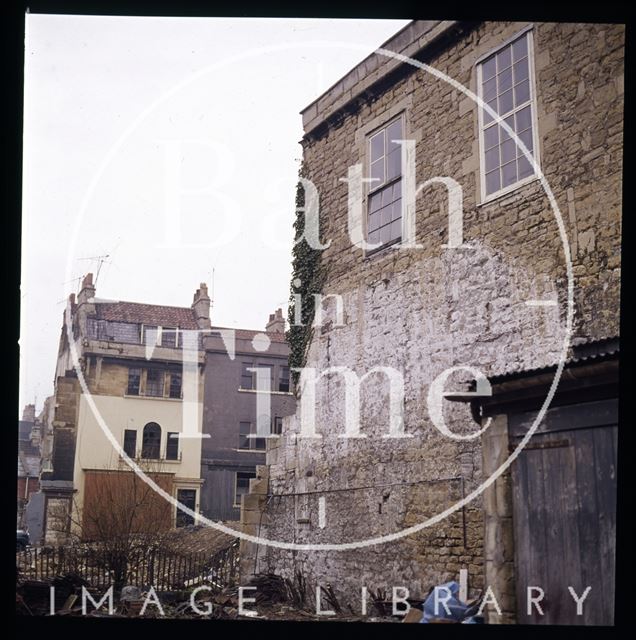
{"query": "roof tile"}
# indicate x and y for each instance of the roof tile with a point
(149, 314)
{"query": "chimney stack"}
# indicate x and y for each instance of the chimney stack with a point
(276, 322)
(88, 289)
(201, 307)
(28, 413)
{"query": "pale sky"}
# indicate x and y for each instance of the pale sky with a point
(114, 108)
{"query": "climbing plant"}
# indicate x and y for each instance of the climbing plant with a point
(307, 278)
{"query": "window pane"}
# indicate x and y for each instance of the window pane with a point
(278, 426)
(488, 69)
(396, 229)
(504, 59)
(283, 379)
(175, 385)
(503, 134)
(377, 172)
(394, 132)
(154, 383)
(507, 151)
(523, 119)
(374, 237)
(151, 334)
(525, 168)
(385, 234)
(522, 93)
(493, 105)
(490, 89)
(244, 432)
(505, 102)
(375, 201)
(374, 221)
(151, 440)
(242, 485)
(508, 174)
(520, 48)
(134, 378)
(526, 138)
(521, 70)
(387, 196)
(377, 146)
(259, 443)
(385, 215)
(397, 190)
(172, 446)
(504, 80)
(492, 159)
(393, 164)
(187, 498)
(130, 442)
(168, 337)
(492, 181)
(247, 379)
(397, 209)
(491, 139)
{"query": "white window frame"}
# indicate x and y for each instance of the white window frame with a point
(484, 199)
(160, 329)
(371, 187)
(146, 327)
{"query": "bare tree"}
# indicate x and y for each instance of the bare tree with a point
(122, 521)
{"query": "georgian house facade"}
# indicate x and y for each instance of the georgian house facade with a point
(128, 400)
(163, 388)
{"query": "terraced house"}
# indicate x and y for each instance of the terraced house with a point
(161, 386)
(128, 400)
(480, 283)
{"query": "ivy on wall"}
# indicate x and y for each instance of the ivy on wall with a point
(308, 275)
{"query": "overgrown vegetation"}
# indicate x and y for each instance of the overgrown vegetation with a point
(309, 275)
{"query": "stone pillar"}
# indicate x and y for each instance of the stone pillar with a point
(252, 518)
(498, 526)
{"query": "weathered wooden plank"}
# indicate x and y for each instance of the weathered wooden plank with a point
(566, 508)
(606, 500)
(588, 526)
(521, 527)
(576, 416)
(561, 565)
(535, 573)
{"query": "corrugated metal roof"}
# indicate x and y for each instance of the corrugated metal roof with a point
(583, 350)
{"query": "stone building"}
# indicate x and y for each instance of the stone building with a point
(142, 366)
(28, 461)
(485, 289)
(130, 393)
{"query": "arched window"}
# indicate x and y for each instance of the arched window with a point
(151, 441)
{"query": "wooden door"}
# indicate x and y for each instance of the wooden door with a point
(564, 512)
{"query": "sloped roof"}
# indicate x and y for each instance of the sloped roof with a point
(165, 316)
(248, 334)
(583, 351)
(148, 314)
